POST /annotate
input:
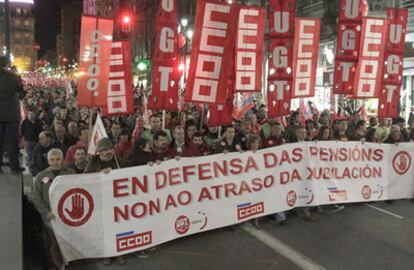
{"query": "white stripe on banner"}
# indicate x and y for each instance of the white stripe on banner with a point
(286, 251)
(116, 57)
(116, 63)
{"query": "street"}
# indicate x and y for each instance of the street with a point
(358, 237)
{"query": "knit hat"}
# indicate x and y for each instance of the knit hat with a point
(104, 144)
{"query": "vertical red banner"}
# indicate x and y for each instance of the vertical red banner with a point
(393, 65)
(347, 48)
(165, 72)
(280, 58)
(95, 51)
(305, 56)
(213, 39)
(249, 49)
(368, 75)
(120, 99)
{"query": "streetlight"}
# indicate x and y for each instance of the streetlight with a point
(184, 22)
(190, 34)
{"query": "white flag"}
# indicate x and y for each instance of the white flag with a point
(98, 133)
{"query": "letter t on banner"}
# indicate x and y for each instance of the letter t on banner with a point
(305, 56)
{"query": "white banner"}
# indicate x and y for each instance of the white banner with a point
(127, 210)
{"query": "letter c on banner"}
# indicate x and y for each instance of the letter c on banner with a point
(393, 64)
(167, 40)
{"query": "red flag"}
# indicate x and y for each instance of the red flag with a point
(165, 69)
(347, 49)
(393, 65)
(280, 47)
(249, 49)
(213, 39)
(95, 51)
(120, 96)
(220, 115)
(305, 56)
(368, 75)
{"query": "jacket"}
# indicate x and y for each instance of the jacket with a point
(11, 90)
(42, 184)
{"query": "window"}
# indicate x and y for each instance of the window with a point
(18, 11)
(27, 23)
(17, 22)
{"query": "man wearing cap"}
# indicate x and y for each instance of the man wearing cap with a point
(105, 160)
(11, 90)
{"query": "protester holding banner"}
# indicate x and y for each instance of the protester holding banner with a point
(41, 201)
(105, 161)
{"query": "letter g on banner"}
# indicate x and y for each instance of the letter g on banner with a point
(75, 207)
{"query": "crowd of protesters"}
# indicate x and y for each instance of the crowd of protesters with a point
(56, 134)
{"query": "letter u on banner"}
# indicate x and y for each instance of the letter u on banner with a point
(95, 51)
(213, 39)
(305, 56)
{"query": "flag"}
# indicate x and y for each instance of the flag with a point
(98, 133)
(69, 90)
(244, 102)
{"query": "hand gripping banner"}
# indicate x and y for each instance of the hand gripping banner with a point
(249, 49)
(305, 56)
(106, 215)
(368, 75)
(280, 58)
(393, 65)
(165, 71)
(347, 49)
(119, 94)
(95, 52)
(213, 40)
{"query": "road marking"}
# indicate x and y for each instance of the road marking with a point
(384, 211)
(294, 256)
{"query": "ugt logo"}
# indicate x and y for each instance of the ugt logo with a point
(75, 207)
(401, 162)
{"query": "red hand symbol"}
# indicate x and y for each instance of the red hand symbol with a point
(77, 207)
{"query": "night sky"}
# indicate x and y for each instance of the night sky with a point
(47, 16)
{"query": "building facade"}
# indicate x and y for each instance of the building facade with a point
(68, 40)
(22, 33)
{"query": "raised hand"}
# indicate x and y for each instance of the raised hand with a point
(78, 208)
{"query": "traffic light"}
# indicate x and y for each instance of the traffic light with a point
(143, 65)
(126, 22)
